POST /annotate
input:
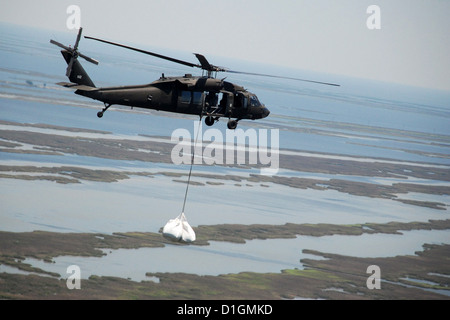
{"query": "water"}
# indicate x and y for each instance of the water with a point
(361, 118)
(222, 258)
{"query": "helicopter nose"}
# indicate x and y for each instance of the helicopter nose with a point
(266, 112)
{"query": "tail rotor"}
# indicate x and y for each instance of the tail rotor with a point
(74, 53)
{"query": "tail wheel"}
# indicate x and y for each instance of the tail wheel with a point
(100, 113)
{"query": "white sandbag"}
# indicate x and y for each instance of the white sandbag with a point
(178, 229)
(173, 229)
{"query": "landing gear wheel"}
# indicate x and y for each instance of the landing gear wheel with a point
(100, 114)
(232, 124)
(209, 121)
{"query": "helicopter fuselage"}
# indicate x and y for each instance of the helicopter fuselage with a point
(205, 96)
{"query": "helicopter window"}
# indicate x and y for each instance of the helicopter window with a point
(185, 97)
(197, 98)
(254, 102)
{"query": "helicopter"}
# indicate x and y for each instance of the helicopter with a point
(205, 96)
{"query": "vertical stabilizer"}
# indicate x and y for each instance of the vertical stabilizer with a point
(77, 74)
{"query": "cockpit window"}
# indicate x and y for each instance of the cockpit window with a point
(254, 102)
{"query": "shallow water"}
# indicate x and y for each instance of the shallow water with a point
(146, 204)
(253, 256)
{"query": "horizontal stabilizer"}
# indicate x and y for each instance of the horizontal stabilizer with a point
(76, 86)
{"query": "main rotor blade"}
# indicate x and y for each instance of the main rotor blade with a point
(206, 65)
(189, 64)
(281, 77)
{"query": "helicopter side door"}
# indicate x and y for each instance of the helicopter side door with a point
(190, 102)
(229, 104)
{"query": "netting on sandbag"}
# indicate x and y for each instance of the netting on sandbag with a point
(178, 229)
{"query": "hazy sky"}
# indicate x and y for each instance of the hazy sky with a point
(412, 46)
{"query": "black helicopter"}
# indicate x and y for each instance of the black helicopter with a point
(203, 96)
